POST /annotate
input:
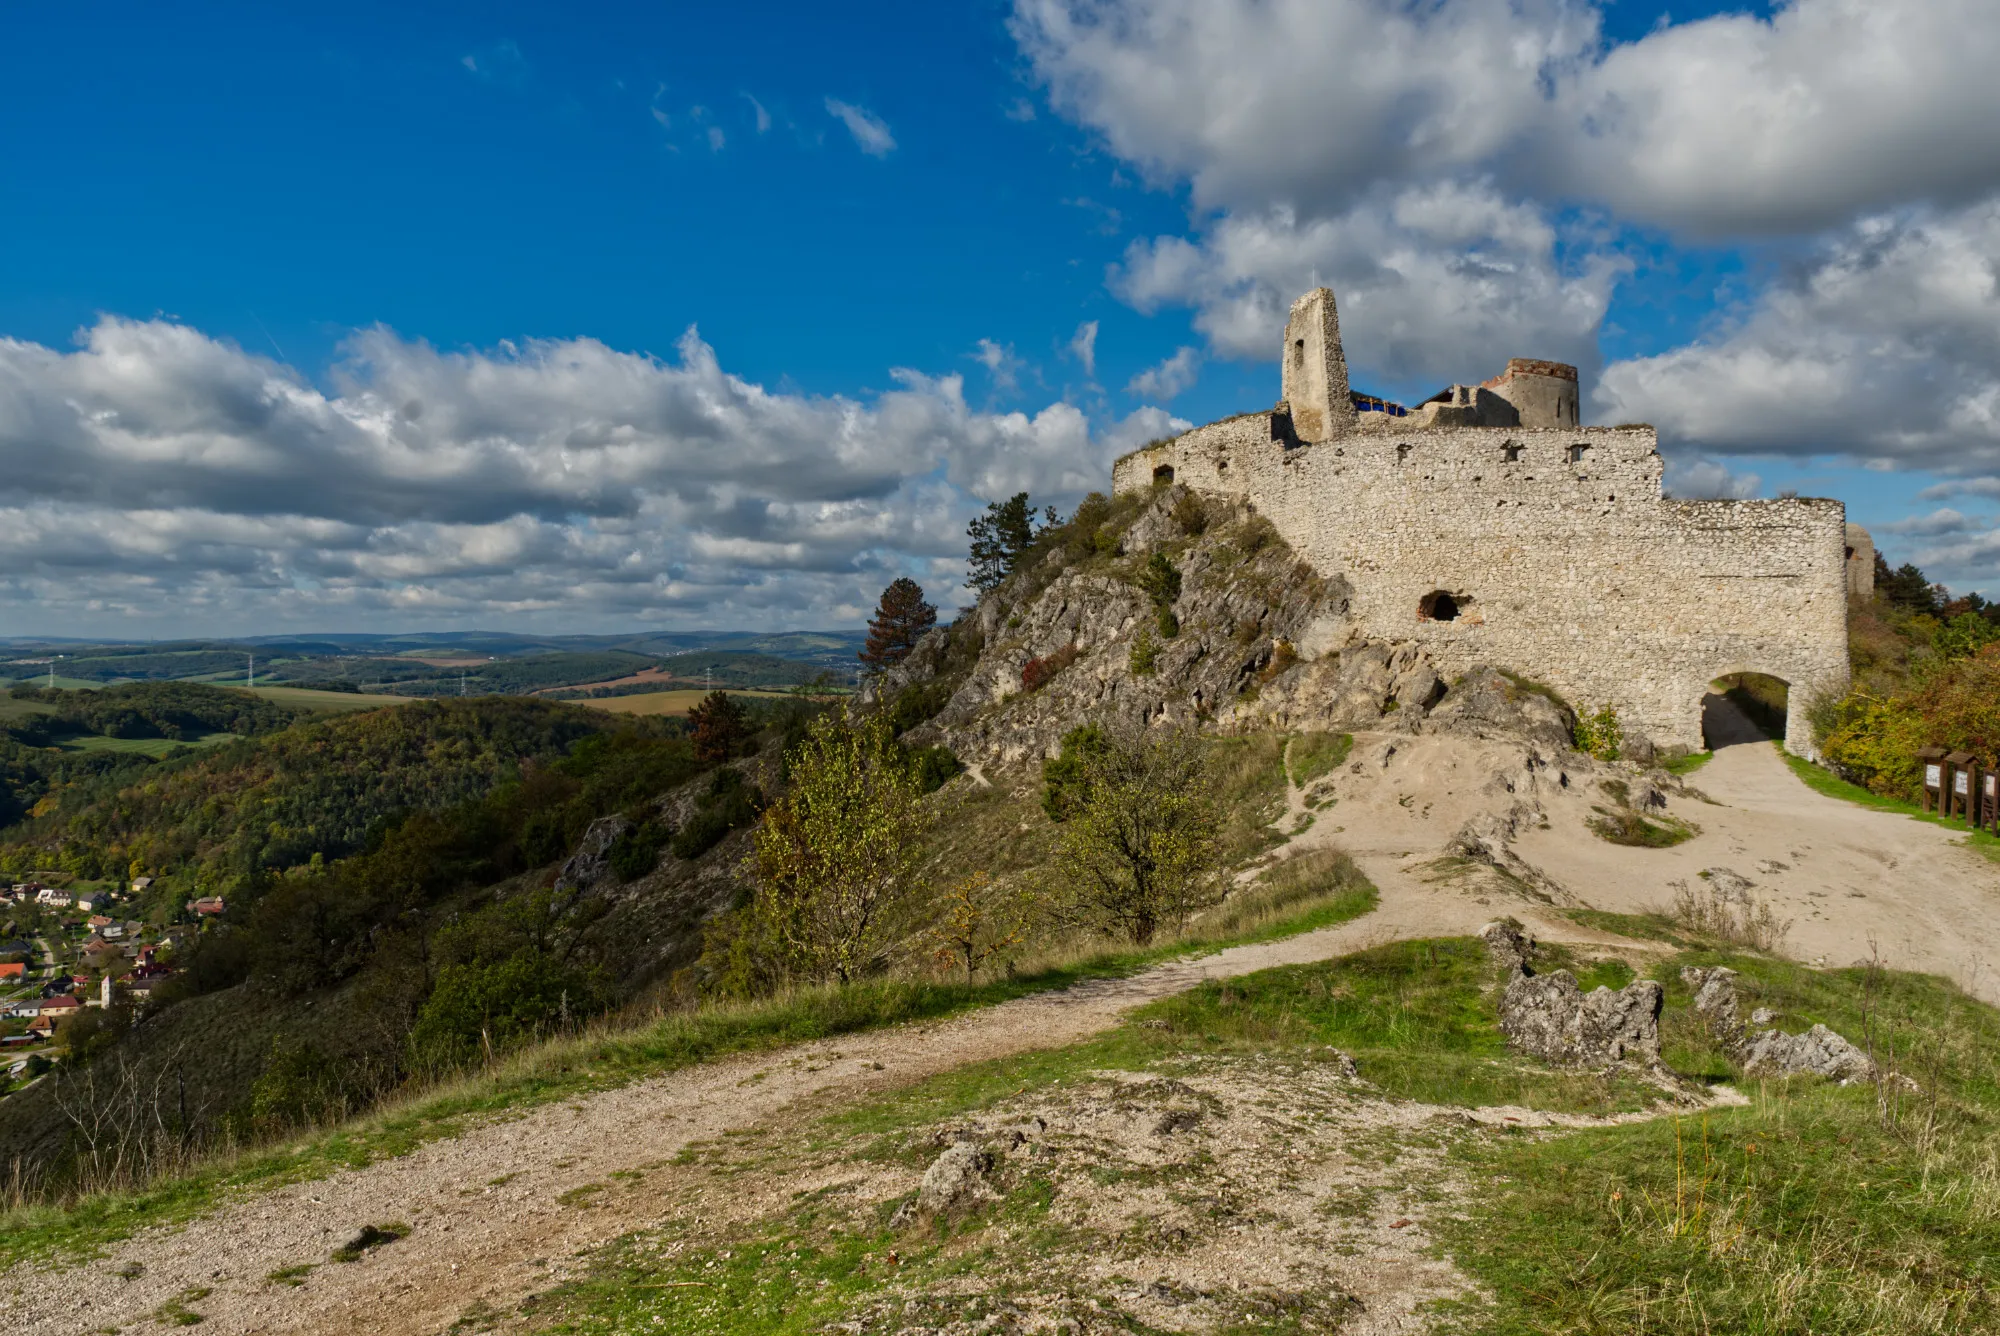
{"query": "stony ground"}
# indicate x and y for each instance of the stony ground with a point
(500, 1212)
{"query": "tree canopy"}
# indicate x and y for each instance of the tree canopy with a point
(901, 619)
(1137, 851)
(1001, 537)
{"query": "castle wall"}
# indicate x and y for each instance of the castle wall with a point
(1860, 563)
(1578, 574)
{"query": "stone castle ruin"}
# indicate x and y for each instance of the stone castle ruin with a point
(1488, 526)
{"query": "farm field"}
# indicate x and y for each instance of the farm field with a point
(61, 682)
(154, 747)
(13, 711)
(661, 702)
(331, 701)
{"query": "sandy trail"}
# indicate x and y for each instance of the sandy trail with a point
(1853, 882)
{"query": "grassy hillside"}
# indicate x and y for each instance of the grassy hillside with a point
(672, 703)
(324, 702)
(1206, 1167)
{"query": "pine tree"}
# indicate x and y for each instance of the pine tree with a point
(901, 619)
(719, 726)
(1001, 537)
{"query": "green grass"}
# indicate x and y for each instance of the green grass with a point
(1417, 1017)
(1687, 764)
(1248, 782)
(1623, 825)
(40, 680)
(1813, 1210)
(154, 747)
(336, 702)
(598, 1061)
(13, 711)
(1312, 755)
(1823, 781)
(1639, 927)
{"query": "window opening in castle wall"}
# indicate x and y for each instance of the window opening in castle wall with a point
(1437, 606)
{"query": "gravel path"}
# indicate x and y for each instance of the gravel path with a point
(484, 1208)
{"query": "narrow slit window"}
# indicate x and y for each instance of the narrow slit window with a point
(1577, 453)
(1510, 453)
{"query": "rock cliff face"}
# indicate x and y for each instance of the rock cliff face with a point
(1253, 639)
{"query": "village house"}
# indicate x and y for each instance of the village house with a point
(207, 905)
(14, 973)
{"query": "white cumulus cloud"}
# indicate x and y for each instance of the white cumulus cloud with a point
(871, 132)
(1885, 347)
(1169, 377)
(155, 475)
(1083, 347)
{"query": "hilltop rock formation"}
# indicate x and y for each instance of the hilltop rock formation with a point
(1253, 638)
(1549, 1016)
(1817, 1052)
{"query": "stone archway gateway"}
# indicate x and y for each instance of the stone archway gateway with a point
(1745, 707)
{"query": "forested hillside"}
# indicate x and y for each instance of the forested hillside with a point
(1926, 673)
(392, 907)
(39, 731)
(260, 807)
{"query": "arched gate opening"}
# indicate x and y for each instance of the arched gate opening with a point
(1744, 707)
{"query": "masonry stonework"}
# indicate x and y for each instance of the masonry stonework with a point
(1549, 551)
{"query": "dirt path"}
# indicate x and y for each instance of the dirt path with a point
(1852, 881)
(485, 1209)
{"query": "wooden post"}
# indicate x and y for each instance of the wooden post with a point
(1958, 785)
(1932, 761)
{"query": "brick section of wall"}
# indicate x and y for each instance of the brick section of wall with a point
(1578, 574)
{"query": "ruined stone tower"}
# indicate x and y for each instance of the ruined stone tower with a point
(1315, 369)
(1487, 526)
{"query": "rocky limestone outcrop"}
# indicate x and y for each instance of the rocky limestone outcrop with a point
(1548, 1016)
(956, 1182)
(590, 866)
(1487, 703)
(1263, 642)
(1817, 1052)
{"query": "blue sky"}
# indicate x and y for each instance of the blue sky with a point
(369, 318)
